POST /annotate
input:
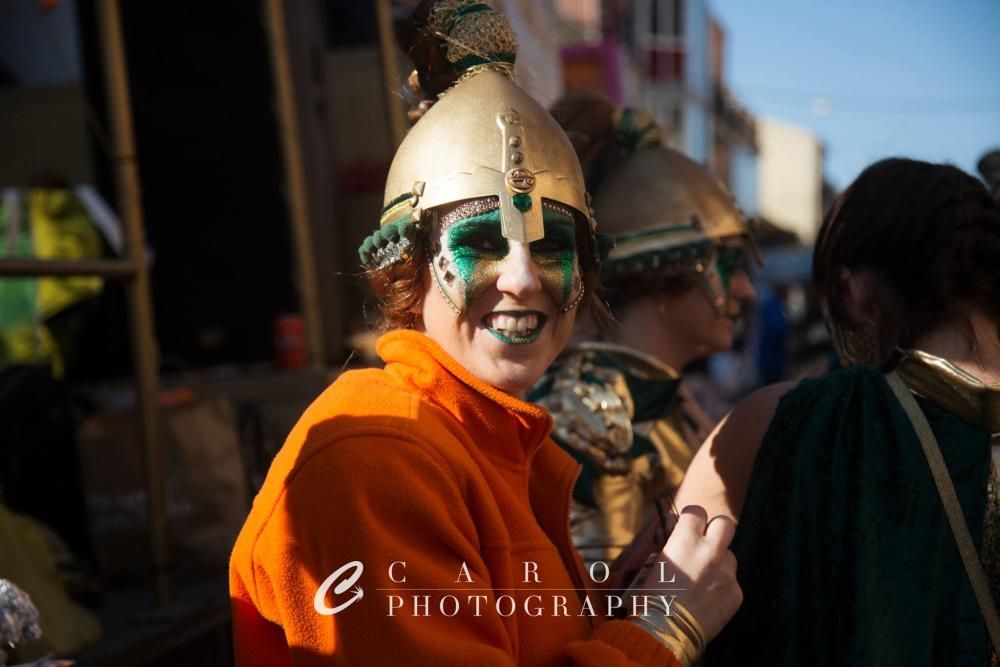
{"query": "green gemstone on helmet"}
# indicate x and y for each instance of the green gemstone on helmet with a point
(522, 202)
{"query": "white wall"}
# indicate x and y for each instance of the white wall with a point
(790, 177)
(744, 179)
(539, 64)
(697, 120)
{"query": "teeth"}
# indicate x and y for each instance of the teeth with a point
(511, 324)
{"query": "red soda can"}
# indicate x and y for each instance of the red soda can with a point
(290, 342)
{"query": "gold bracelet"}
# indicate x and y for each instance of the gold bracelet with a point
(682, 617)
(671, 637)
(679, 632)
(693, 627)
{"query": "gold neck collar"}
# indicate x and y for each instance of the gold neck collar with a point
(955, 390)
(646, 363)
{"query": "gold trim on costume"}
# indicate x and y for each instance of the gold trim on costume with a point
(955, 390)
(593, 414)
(976, 403)
(949, 499)
(653, 367)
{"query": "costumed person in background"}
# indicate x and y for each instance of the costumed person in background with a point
(869, 519)
(676, 283)
(431, 477)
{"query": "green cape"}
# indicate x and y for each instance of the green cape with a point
(845, 554)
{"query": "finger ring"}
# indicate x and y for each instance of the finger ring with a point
(726, 517)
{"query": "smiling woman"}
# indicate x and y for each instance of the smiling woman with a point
(485, 252)
(511, 302)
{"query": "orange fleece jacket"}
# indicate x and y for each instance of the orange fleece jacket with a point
(424, 464)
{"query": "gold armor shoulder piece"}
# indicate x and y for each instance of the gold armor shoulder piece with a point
(592, 411)
(641, 364)
(958, 392)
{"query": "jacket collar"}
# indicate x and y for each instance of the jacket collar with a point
(501, 424)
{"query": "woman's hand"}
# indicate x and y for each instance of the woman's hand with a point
(649, 542)
(700, 569)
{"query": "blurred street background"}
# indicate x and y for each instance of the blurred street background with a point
(184, 185)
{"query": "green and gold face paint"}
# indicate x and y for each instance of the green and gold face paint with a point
(725, 260)
(469, 252)
(729, 259)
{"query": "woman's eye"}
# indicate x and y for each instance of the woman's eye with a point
(551, 245)
(731, 259)
(480, 244)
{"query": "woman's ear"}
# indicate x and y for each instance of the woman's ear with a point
(858, 290)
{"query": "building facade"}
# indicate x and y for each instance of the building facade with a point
(667, 57)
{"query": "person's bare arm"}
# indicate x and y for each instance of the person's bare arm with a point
(720, 472)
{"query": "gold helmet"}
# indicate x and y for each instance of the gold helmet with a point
(668, 215)
(660, 199)
(485, 137)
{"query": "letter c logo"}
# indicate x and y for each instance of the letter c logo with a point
(319, 602)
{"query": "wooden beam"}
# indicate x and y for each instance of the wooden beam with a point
(104, 268)
(295, 181)
(144, 352)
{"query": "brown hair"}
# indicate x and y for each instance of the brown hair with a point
(930, 232)
(589, 119)
(400, 287)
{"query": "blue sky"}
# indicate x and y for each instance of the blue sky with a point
(919, 78)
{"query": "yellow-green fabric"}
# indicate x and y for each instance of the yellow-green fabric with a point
(61, 229)
(26, 561)
(19, 336)
(53, 225)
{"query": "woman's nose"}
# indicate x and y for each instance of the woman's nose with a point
(518, 273)
(740, 287)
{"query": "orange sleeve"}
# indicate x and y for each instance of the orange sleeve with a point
(380, 499)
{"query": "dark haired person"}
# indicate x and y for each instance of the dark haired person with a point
(676, 282)
(849, 539)
(417, 514)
